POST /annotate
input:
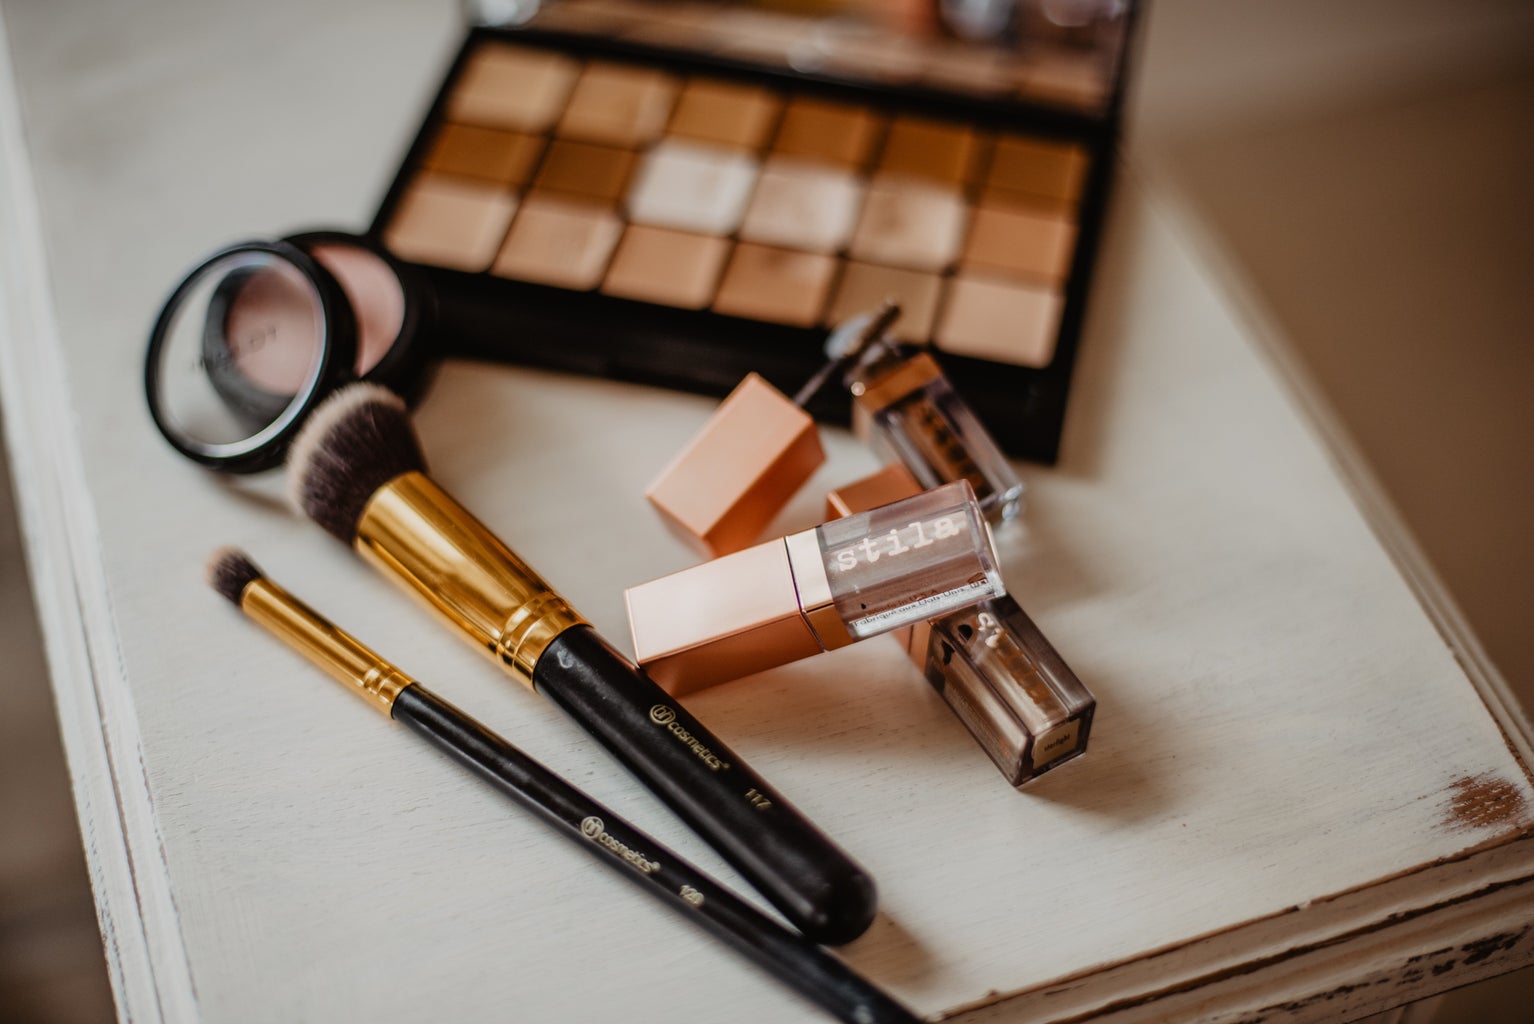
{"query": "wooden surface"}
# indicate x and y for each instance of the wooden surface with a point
(1295, 806)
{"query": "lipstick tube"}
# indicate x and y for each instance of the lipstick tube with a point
(992, 666)
(417, 534)
(903, 402)
(814, 591)
(1008, 685)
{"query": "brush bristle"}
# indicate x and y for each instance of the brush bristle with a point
(358, 439)
(230, 571)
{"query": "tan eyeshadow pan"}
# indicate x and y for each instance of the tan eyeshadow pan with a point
(512, 87)
(450, 222)
(725, 113)
(836, 133)
(672, 268)
(1005, 321)
(619, 105)
(1049, 171)
(587, 170)
(936, 150)
(910, 224)
(864, 286)
(781, 285)
(1021, 243)
(489, 153)
(803, 205)
(559, 242)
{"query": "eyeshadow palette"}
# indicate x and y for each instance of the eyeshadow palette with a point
(614, 204)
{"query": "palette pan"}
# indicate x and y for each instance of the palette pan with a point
(646, 213)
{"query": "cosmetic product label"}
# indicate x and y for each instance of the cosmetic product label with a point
(1056, 743)
(665, 717)
(595, 829)
(933, 604)
(691, 895)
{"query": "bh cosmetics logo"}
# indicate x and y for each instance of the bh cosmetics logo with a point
(595, 829)
(691, 895)
(665, 717)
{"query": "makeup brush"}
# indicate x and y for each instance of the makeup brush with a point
(357, 470)
(795, 960)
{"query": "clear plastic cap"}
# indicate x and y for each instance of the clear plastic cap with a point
(910, 560)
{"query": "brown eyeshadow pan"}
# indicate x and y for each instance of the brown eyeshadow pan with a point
(936, 150)
(767, 283)
(725, 113)
(1023, 167)
(672, 268)
(1021, 243)
(586, 169)
(837, 133)
(491, 153)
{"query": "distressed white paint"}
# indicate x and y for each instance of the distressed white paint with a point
(1279, 731)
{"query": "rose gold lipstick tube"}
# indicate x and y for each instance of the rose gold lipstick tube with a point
(814, 591)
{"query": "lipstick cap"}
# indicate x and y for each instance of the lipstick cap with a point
(891, 483)
(754, 452)
(774, 603)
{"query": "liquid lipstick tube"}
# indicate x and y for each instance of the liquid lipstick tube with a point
(993, 667)
(814, 591)
(903, 402)
(1008, 685)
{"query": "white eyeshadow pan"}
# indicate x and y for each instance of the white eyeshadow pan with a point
(692, 187)
(803, 205)
(908, 224)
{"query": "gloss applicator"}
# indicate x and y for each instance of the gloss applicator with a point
(793, 959)
(357, 470)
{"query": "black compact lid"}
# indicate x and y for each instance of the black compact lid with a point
(260, 332)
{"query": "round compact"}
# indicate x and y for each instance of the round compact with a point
(261, 332)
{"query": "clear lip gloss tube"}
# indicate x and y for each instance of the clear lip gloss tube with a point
(815, 591)
(903, 401)
(999, 674)
(1007, 684)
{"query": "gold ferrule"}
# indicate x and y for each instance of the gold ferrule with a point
(911, 375)
(415, 532)
(322, 642)
(813, 589)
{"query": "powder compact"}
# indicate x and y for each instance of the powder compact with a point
(260, 332)
(682, 194)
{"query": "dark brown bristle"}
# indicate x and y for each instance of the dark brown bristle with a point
(358, 439)
(230, 571)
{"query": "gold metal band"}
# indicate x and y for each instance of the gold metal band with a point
(417, 533)
(322, 642)
(817, 606)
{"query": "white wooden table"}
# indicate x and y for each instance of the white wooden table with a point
(1296, 806)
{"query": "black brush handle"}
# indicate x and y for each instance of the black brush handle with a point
(797, 962)
(789, 861)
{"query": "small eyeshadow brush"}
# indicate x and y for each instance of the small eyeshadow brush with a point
(357, 470)
(795, 960)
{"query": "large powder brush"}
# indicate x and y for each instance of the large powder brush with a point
(357, 470)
